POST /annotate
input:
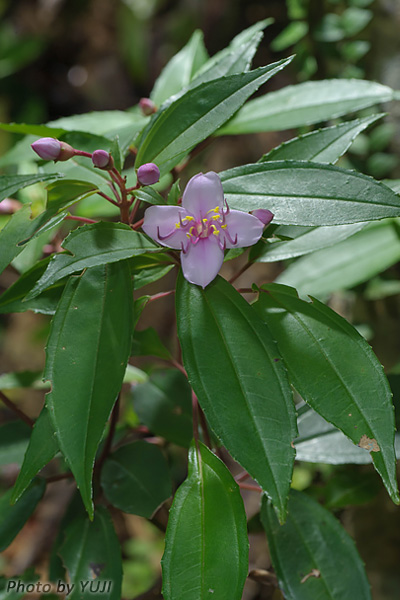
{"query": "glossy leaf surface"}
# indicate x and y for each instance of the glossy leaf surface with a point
(93, 245)
(135, 478)
(310, 241)
(92, 555)
(306, 103)
(312, 554)
(206, 545)
(86, 357)
(13, 518)
(322, 146)
(336, 373)
(190, 119)
(306, 193)
(348, 263)
(10, 184)
(242, 384)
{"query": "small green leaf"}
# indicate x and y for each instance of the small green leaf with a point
(246, 396)
(348, 263)
(92, 555)
(146, 342)
(293, 33)
(148, 268)
(93, 245)
(87, 353)
(136, 478)
(42, 447)
(310, 550)
(190, 119)
(9, 184)
(149, 195)
(322, 146)
(164, 405)
(179, 71)
(13, 518)
(306, 103)
(336, 373)
(65, 193)
(14, 438)
(206, 544)
(307, 193)
(12, 300)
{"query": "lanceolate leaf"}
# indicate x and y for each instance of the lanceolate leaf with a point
(174, 131)
(306, 193)
(92, 555)
(13, 518)
(242, 384)
(336, 373)
(306, 103)
(310, 241)
(93, 245)
(87, 353)
(9, 184)
(312, 554)
(348, 263)
(178, 73)
(43, 446)
(322, 146)
(206, 545)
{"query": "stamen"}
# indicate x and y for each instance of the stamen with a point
(228, 235)
(216, 231)
(228, 210)
(164, 237)
(184, 250)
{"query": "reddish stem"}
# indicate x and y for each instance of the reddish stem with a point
(138, 224)
(81, 219)
(16, 410)
(252, 488)
(83, 153)
(103, 195)
(161, 295)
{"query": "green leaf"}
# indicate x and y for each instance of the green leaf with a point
(92, 555)
(87, 353)
(350, 487)
(190, 119)
(164, 405)
(306, 193)
(42, 447)
(12, 300)
(306, 103)
(93, 245)
(179, 71)
(28, 576)
(136, 478)
(148, 268)
(293, 33)
(310, 550)
(65, 193)
(310, 241)
(149, 195)
(322, 146)
(13, 518)
(321, 442)
(246, 396)
(336, 373)
(348, 263)
(9, 184)
(14, 438)
(146, 342)
(21, 379)
(207, 518)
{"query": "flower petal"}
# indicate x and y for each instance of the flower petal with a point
(202, 261)
(203, 193)
(242, 227)
(160, 224)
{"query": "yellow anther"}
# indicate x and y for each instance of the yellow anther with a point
(189, 235)
(188, 218)
(177, 225)
(190, 231)
(223, 226)
(205, 220)
(216, 217)
(216, 231)
(216, 210)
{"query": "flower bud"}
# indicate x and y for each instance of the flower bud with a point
(148, 174)
(264, 215)
(147, 106)
(52, 149)
(102, 159)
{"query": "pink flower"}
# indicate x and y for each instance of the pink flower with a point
(203, 227)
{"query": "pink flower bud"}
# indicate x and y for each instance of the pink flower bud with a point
(147, 106)
(52, 149)
(264, 215)
(148, 174)
(102, 159)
